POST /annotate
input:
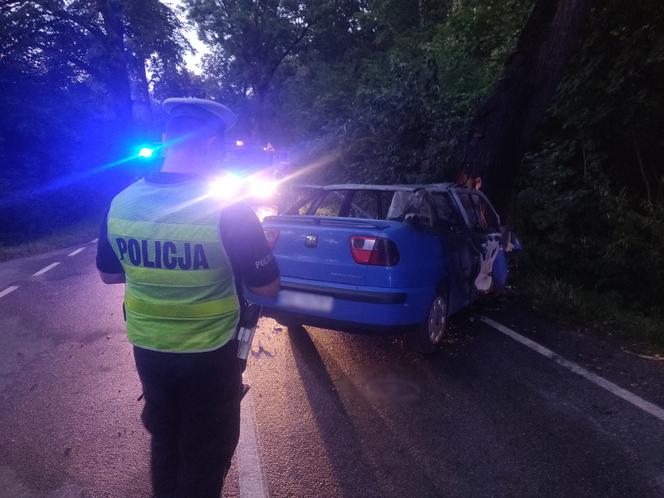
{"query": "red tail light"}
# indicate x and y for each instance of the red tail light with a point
(373, 251)
(271, 235)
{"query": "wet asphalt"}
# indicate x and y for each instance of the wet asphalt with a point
(336, 414)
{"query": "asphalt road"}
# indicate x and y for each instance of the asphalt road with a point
(332, 414)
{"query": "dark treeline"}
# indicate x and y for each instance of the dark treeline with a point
(74, 97)
(378, 91)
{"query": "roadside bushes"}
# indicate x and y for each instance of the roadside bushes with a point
(589, 206)
(576, 229)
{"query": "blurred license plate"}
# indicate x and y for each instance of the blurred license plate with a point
(304, 301)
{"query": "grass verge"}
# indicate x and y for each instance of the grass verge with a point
(607, 313)
(77, 233)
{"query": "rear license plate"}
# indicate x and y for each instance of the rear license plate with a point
(305, 301)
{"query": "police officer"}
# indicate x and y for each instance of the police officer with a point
(184, 258)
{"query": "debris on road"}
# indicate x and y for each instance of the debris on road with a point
(262, 350)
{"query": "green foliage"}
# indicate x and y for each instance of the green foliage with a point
(605, 312)
(252, 38)
(590, 208)
(382, 84)
(65, 109)
(579, 230)
(392, 101)
(473, 45)
(390, 135)
(613, 99)
(416, 95)
(259, 46)
(57, 236)
(155, 30)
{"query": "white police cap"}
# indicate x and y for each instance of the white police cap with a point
(199, 108)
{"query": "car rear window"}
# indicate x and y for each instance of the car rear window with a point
(445, 211)
(379, 205)
(400, 202)
(299, 200)
(330, 204)
(365, 204)
(306, 206)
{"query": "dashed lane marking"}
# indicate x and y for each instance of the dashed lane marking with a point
(45, 269)
(94, 241)
(252, 479)
(8, 290)
(76, 251)
(628, 396)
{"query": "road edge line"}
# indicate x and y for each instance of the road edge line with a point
(77, 251)
(250, 469)
(46, 268)
(8, 290)
(614, 389)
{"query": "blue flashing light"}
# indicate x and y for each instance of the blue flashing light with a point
(146, 152)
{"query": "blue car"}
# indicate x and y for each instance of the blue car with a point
(384, 258)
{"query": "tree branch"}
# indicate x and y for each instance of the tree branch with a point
(77, 20)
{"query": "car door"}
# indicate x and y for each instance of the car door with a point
(482, 241)
(458, 249)
(490, 236)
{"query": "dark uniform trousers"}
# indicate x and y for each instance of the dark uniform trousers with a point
(192, 411)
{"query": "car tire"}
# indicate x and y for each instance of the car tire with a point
(429, 335)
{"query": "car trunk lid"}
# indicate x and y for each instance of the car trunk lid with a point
(319, 248)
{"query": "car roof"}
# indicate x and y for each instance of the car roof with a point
(405, 188)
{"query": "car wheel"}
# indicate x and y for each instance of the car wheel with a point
(429, 335)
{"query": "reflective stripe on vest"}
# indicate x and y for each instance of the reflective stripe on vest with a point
(189, 310)
(180, 291)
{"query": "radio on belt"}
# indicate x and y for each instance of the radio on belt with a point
(245, 335)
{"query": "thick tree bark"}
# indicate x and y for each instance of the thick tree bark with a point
(140, 90)
(505, 124)
(117, 74)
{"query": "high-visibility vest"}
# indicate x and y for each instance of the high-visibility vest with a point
(180, 293)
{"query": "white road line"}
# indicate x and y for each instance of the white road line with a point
(76, 251)
(93, 241)
(632, 398)
(252, 480)
(45, 269)
(8, 290)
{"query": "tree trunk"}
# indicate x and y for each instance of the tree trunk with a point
(505, 124)
(117, 75)
(260, 134)
(140, 90)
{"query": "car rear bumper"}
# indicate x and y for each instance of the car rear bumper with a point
(292, 319)
(346, 307)
(353, 294)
